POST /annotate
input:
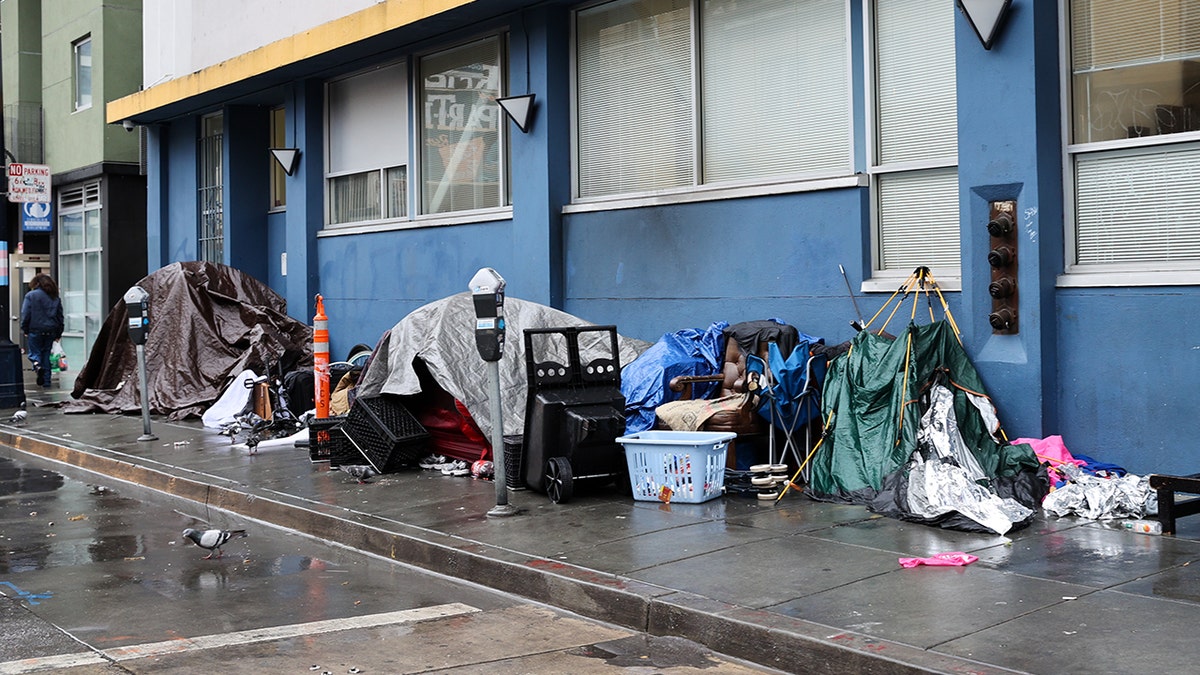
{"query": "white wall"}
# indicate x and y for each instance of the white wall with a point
(184, 36)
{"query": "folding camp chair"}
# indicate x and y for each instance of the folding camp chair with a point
(791, 396)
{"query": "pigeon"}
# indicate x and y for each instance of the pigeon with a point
(232, 430)
(361, 472)
(18, 418)
(212, 540)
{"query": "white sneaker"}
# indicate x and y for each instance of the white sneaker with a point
(432, 462)
(455, 468)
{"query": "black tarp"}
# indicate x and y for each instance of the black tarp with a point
(209, 322)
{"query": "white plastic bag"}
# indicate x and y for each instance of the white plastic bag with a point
(58, 358)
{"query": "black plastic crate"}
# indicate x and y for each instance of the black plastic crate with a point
(327, 442)
(386, 433)
(512, 462)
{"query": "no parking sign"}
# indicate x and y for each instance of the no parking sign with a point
(28, 182)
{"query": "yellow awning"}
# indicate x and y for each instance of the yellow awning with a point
(327, 37)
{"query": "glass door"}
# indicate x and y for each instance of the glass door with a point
(79, 269)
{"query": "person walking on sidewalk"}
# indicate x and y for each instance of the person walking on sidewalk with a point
(42, 323)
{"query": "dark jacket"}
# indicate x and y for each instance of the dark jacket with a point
(41, 314)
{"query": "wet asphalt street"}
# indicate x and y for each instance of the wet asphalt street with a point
(97, 578)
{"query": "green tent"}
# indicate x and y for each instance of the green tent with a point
(872, 404)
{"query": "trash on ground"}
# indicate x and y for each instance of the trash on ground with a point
(953, 559)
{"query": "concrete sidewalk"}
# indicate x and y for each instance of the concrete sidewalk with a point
(798, 585)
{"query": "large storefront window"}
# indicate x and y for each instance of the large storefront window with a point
(460, 132)
(763, 98)
(79, 268)
(1135, 135)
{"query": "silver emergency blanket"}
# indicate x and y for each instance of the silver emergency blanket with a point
(1099, 498)
(442, 335)
(944, 476)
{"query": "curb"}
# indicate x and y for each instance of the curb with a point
(769, 639)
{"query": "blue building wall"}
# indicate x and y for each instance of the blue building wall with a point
(1129, 362)
(179, 241)
(246, 199)
(158, 204)
(660, 269)
(371, 281)
(276, 245)
(1111, 370)
(305, 214)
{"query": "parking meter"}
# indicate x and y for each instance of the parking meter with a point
(487, 292)
(137, 305)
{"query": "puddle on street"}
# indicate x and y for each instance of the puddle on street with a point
(84, 540)
(112, 570)
(16, 480)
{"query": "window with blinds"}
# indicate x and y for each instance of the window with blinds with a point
(774, 88)
(673, 94)
(367, 146)
(1135, 132)
(916, 138)
(918, 221)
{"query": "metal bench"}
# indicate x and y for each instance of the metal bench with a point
(1168, 508)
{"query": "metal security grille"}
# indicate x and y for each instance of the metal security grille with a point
(23, 129)
(211, 238)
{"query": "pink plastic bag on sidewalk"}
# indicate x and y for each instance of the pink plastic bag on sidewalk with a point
(956, 558)
(1053, 451)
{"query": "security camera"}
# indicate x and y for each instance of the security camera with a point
(128, 124)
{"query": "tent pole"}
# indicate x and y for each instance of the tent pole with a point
(889, 301)
(904, 385)
(803, 464)
(949, 316)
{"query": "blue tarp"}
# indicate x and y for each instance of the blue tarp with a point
(645, 380)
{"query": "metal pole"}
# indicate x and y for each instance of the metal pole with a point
(502, 508)
(141, 357)
(5, 310)
(857, 325)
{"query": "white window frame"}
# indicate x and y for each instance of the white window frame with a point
(82, 322)
(948, 276)
(79, 101)
(698, 190)
(1120, 273)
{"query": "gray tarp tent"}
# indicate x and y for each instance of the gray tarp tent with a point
(442, 335)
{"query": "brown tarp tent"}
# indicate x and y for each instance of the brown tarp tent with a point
(209, 322)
